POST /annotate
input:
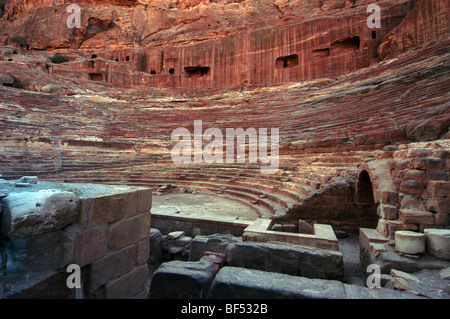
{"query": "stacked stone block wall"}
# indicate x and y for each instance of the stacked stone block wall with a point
(419, 195)
(106, 236)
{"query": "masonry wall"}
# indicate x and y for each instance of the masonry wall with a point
(113, 244)
(418, 195)
(107, 236)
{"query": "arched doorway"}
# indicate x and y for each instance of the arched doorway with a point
(364, 200)
(364, 191)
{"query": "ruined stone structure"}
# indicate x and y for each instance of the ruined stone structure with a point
(47, 227)
(363, 115)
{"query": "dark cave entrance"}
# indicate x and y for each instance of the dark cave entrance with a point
(364, 193)
(287, 61)
(196, 71)
(352, 43)
(95, 76)
(321, 53)
(365, 202)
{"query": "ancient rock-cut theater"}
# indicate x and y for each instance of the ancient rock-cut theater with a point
(88, 178)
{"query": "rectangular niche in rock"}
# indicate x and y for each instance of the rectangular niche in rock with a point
(95, 76)
(351, 44)
(320, 53)
(287, 61)
(196, 71)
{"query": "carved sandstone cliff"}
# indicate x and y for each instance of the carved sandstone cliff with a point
(106, 115)
(205, 44)
(113, 24)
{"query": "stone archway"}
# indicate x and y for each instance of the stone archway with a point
(365, 201)
(364, 190)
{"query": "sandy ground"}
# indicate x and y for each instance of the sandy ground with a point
(349, 247)
(208, 205)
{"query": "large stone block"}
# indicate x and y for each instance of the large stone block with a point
(412, 187)
(241, 283)
(182, 280)
(111, 267)
(395, 225)
(31, 213)
(388, 197)
(129, 285)
(218, 243)
(388, 212)
(441, 219)
(437, 174)
(382, 227)
(129, 231)
(415, 174)
(409, 242)
(438, 243)
(144, 200)
(86, 205)
(438, 204)
(410, 216)
(107, 209)
(439, 189)
(90, 245)
(412, 202)
(156, 252)
(131, 204)
(287, 258)
(30, 257)
(427, 162)
(143, 251)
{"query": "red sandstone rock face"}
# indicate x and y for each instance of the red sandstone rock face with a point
(137, 72)
(428, 21)
(150, 23)
(209, 44)
(111, 134)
